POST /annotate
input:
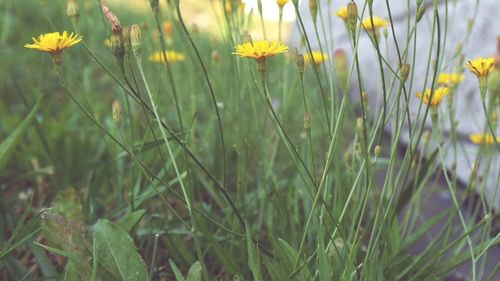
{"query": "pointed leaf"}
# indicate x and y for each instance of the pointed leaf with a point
(116, 252)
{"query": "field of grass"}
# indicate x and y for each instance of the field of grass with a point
(201, 164)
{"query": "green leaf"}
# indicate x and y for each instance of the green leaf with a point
(10, 143)
(253, 258)
(70, 272)
(194, 273)
(130, 220)
(177, 272)
(116, 252)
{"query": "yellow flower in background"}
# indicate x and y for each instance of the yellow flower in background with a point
(377, 23)
(172, 56)
(282, 3)
(481, 67)
(317, 57)
(437, 96)
(342, 13)
(449, 79)
(259, 50)
(54, 42)
(483, 139)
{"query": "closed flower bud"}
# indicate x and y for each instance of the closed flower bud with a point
(313, 8)
(72, 10)
(117, 47)
(127, 45)
(135, 40)
(194, 29)
(420, 13)
(426, 137)
(403, 74)
(341, 67)
(385, 32)
(117, 111)
(352, 16)
(215, 57)
(307, 120)
(378, 150)
(154, 4)
(299, 59)
(494, 84)
(247, 38)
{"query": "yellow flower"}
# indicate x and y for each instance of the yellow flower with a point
(481, 67)
(54, 42)
(259, 50)
(342, 13)
(317, 57)
(448, 79)
(282, 3)
(483, 139)
(437, 96)
(377, 23)
(172, 56)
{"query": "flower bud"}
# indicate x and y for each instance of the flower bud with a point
(352, 16)
(341, 67)
(72, 10)
(117, 112)
(377, 150)
(135, 40)
(420, 13)
(117, 48)
(385, 32)
(299, 59)
(126, 39)
(247, 38)
(313, 9)
(154, 4)
(307, 120)
(403, 74)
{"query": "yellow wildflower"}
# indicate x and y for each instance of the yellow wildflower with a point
(282, 3)
(449, 79)
(54, 43)
(481, 67)
(259, 50)
(437, 96)
(172, 56)
(483, 139)
(377, 23)
(317, 57)
(342, 13)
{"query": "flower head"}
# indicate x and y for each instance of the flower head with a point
(259, 50)
(342, 13)
(437, 96)
(483, 139)
(377, 23)
(54, 42)
(282, 3)
(481, 67)
(449, 79)
(172, 56)
(316, 57)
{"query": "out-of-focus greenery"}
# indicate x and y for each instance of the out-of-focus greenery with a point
(218, 188)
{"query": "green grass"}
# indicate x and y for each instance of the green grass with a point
(210, 174)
